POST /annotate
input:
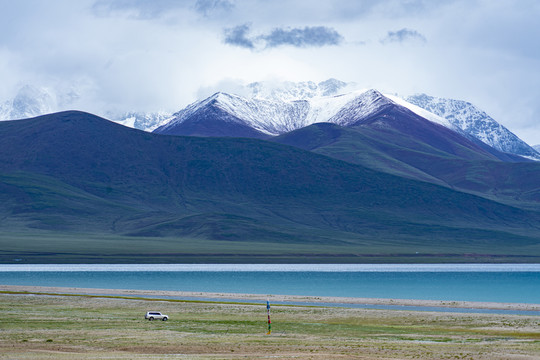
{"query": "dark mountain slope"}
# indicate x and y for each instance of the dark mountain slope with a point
(392, 152)
(73, 171)
(386, 152)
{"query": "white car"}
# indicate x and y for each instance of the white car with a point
(156, 315)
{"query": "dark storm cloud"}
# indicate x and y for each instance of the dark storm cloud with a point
(315, 36)
(239, 36)
(403, 35)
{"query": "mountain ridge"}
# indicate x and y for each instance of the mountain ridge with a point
(274, 117)
(282, 112)
(464, 118)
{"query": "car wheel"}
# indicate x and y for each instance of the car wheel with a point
(150, 318)
(165, 318)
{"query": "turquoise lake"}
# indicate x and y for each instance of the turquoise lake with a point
(493, 283)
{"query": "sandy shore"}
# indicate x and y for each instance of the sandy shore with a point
(272, 298)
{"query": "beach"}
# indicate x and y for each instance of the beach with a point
(274, 298)
(75, 323)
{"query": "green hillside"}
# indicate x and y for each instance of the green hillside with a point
(75, 188)
(514, 183)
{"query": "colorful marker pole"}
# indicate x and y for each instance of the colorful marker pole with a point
(269, 322)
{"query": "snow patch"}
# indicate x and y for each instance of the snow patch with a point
(473, 121)
(421, 112)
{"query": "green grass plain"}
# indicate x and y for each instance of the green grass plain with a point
(105, 248)
(90, 327)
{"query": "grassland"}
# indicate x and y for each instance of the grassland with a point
(88, 327)
(52, 247)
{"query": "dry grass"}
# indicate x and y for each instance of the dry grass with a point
(68, 327)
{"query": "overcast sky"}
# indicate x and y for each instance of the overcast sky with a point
(163, 54)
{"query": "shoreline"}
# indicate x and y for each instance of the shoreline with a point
(48, 290)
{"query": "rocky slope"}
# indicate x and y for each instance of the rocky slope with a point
(475, 122)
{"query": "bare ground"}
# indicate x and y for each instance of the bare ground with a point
(82, 327)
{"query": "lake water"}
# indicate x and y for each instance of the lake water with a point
(472, 282)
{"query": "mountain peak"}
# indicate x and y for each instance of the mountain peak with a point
(221, 95)
(29, 101)
(331, 86)
(375, 95)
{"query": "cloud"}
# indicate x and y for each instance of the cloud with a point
(139, 9)
(403, 35)
(208, 7)
(316, 36)
(158, 9)
(228, 85)
(309, 36)
(239, 36)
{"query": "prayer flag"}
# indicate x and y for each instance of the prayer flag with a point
(269, 322)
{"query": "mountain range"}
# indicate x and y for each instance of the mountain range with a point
(358, 177)
(263, 114)
(381, 132)
(266, 98)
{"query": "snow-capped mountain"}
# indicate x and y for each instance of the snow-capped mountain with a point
(28, 102)
(147, 121)
(475, 122)
(234, 116)
(282, 113)
(31, 101)
(269, 92)
(269, 109)
(268, 117)
(272, 109)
